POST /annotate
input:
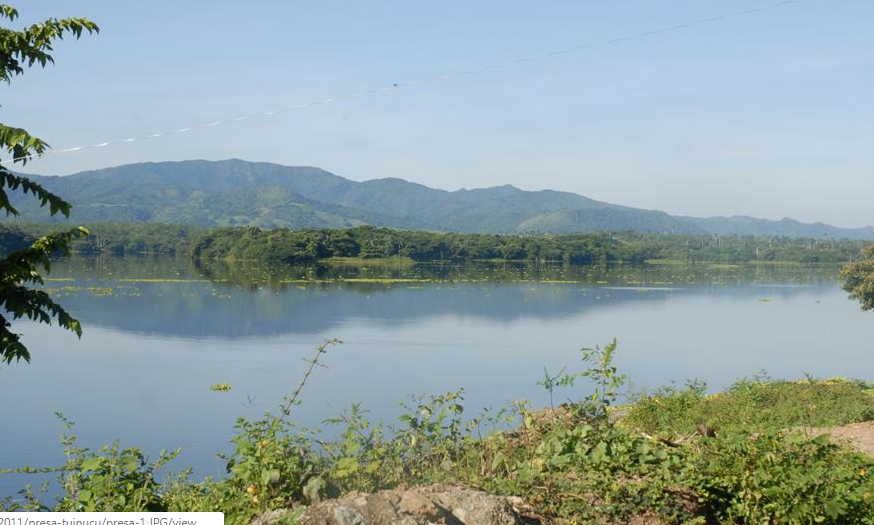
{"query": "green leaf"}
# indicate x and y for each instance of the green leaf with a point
(270, 477)
(346, 467)
(92, 463)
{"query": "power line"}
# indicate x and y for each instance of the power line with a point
(419, 83)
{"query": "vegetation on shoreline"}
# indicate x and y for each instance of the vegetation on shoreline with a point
(754, 404)
(290, 247)
(109, 238)
(368, 245)
(676, 455)
(295, 247)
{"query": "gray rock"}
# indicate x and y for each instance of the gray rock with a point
(428, 505)
(271, 517)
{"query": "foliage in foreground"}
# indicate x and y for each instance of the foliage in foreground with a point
(752, 404)
(858, 279)
(578, 463)
(19, 50)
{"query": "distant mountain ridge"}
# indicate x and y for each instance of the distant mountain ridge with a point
(236, 193)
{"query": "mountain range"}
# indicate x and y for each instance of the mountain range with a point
(237, 193)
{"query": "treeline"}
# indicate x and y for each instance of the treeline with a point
(302, 246)
(740, 249)
(109, 238)
(283, 246)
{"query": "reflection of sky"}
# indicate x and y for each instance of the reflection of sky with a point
(143, 368)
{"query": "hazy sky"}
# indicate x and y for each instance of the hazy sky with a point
(768, 114)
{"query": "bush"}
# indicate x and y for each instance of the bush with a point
(110, 479)
(784, 477)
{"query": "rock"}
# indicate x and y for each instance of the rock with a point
(271, 517)
(427, 505)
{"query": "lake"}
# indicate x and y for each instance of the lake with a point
(158, 333)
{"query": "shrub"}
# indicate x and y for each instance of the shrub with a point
(110, 479)
(784, 477)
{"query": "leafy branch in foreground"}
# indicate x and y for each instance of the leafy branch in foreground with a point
(19, 50)
(16, 272)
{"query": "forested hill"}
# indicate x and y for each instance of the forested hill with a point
(241, 193)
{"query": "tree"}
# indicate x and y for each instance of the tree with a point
(858, 279)
(20, 49)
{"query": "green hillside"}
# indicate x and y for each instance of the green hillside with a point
(240, 193)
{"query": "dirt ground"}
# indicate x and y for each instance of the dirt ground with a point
(858, 435)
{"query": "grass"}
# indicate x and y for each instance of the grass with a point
(753, 405)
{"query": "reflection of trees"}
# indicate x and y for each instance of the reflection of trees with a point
(229, 301)
(278, 277)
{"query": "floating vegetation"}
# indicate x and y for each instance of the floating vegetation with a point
(93, 290)
(220, 387)
(724, 266)
(370, 261)
(98, 291)
(163, 280)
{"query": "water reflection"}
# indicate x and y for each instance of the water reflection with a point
(159, 332)
(171, 298)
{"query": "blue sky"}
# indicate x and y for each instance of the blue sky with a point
(767, 114)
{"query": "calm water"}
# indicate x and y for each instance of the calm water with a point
(158, 334)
